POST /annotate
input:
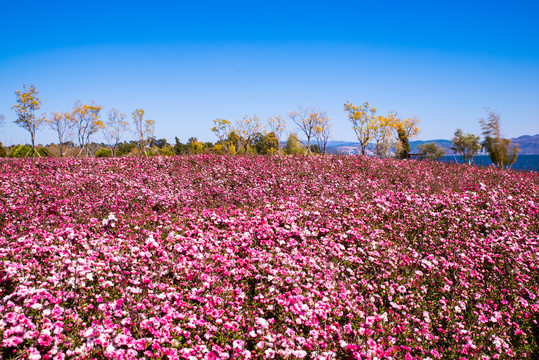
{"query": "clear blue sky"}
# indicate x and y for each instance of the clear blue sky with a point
(187, 63)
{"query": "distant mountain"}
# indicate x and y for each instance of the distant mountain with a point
(527, 145)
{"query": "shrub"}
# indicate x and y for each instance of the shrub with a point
(126, 148)
(26, 151)
(103, 152)
(166, 151)
(431, 151)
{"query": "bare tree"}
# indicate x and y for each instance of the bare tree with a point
(307, 119)
(116, 127)
(27, 104)
(246, 129)
(323, 132)
(144, 129)
(64, 126)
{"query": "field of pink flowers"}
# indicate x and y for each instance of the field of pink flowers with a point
(267, 257)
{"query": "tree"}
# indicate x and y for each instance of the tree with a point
(126, 148)
(363, 119)
(266, 144)
(3, 152)
(222, 129)
(246, 130)
(159, 143)
(402, 147)
(466, 145)
(431, 151)
(405, 130)
(144, 129)
(496, 146)
(116, 127)
(27, 104)
(293, 145)
(308, 120)
(276, 125)
(87, 122)
(64, 125)
(322, 132)
(194, 146)
(179, 148)
(382, 131)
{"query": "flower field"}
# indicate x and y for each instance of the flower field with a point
(267, 257)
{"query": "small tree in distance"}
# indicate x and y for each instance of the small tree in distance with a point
(363, 119)
(116, 127)
(466, 145)
(222, 129)
(402, 147)
(246, 129)
(322, 133)
(431, 151)
(276, 125)
(308, 120)
(293, 145)
(87, 123)
(27, 104)
(496, 146)
(144, 129)
(382, 131)
(64, 125)
(405, 130)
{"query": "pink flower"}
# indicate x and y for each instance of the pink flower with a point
(140, 344)
(44, 340)
(12, 341)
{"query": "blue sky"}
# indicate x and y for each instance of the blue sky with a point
(188, 63)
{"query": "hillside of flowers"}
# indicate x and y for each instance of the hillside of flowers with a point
(267, 257)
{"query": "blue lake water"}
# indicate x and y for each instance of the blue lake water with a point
(524, 162)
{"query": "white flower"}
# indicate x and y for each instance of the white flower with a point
(262, 322)
(270, 353)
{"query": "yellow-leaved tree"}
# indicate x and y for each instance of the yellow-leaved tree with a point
(405, 130)
(222, 129)
(27, 104)
(87, 123)
(364, 123)
(383, 130)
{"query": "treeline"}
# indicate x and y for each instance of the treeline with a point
(390, 134)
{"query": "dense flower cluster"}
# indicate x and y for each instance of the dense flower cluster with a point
(267, 257)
